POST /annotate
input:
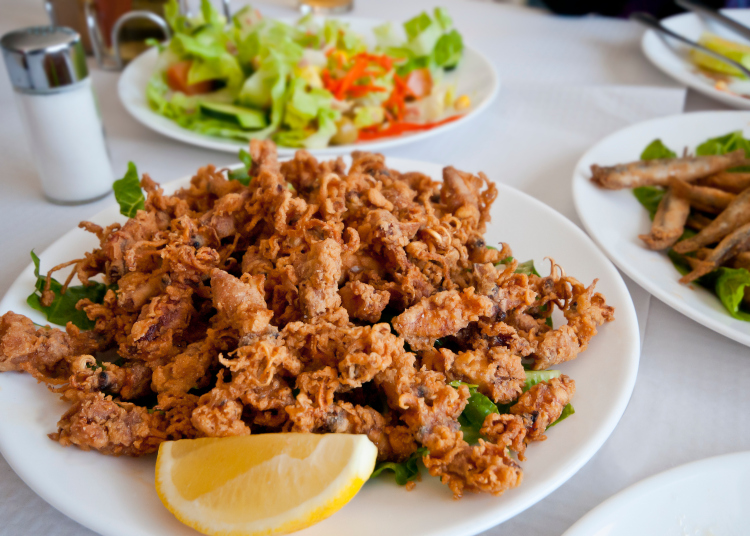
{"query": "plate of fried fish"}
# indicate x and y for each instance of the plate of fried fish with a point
(479, 339)
(668, 201)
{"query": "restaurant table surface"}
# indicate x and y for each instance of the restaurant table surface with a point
(566, 83)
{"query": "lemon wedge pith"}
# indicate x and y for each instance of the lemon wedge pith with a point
(261, 484)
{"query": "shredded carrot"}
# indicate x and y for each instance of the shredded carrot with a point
(351, 85)
(367, 134)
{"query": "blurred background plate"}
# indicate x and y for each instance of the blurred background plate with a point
(475, 76)
(673, 59)
(703, 498)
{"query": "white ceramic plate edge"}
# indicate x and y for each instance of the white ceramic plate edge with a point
(603, 512)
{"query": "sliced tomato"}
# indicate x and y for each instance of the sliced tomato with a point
(177, 79)
(419, 82)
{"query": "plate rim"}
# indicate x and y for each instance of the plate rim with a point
(652, 41)
(647, 485)
(177, 133)
(491, 516)
(656, 291)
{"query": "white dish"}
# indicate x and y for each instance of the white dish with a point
(614, 219)
(672, 58)
(475, 76)
(116, 497)
(703, 498)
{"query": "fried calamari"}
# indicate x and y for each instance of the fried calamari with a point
(317, 299)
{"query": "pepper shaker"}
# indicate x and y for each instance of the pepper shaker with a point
(47, 68)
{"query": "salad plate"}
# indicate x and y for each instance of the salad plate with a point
(614, 219)
(103, 493)
(705, 498)
(475, 77)
(673, 59)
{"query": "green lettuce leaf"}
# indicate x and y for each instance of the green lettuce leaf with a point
(527, 268)
(303, 103)
(567, 411)
(448, 50)
(174, 17)
(404, 471)
(726, 144)
(63, 307)
(649, 197)
(242, 175)
(730, 287)
(128, 192)
(337, 33)
(477, 408)
(442, 17)
(534, 377)
(655, 150)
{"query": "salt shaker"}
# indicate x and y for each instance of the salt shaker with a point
(47, 67)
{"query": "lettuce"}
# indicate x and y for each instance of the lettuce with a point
(406, 471)
(338, 34)
(655, 150)
(448, 50)
(724, 144)
(430, 42)
(63, 307)
(303, 103)
(242, 175)
(386, 36)
(527, 268)
(128, 192)
(567, 411)
(649, 197)
(534, 377)
(730, 287)
(476, 410)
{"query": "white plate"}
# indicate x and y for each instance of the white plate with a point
(614, 219)
(475, 76)
(103, 493)
(703, 498)
(673, 60)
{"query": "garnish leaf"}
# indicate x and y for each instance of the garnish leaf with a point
(649, 197)
(725, 144)
(242, 175)
(730, 287)
(404, 471)
(655, 150)
(527, 268)
(63, 307)
(476, 410)
(128, 192)
(534, 377)
(567, 411)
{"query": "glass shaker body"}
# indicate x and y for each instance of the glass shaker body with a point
(47, 69)
(66, 139)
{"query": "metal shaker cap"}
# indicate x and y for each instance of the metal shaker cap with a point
(43, 59)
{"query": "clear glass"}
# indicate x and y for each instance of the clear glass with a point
(326, 7)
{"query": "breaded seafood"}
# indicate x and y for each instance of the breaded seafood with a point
(316, 299)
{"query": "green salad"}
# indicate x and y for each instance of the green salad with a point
(309, 84)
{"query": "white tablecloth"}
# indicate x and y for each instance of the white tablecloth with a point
(567, 82)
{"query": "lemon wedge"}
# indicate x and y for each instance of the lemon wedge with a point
(261, 484)
(732, 50)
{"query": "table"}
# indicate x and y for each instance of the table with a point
(566, 83)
